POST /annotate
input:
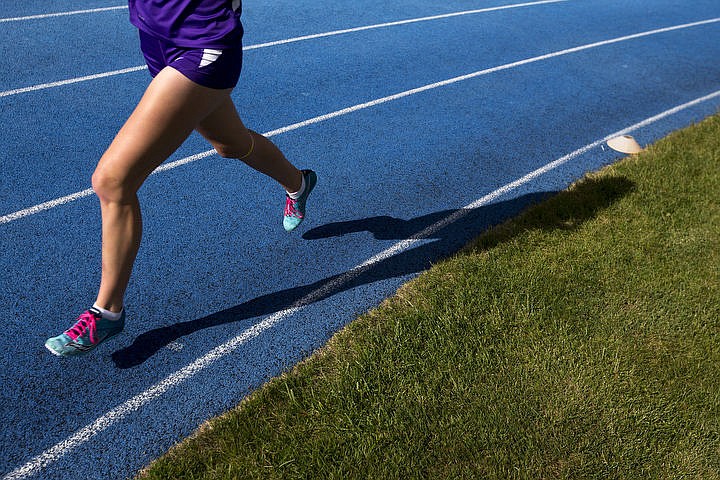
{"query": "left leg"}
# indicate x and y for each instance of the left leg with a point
(231, 139)
(225, 131)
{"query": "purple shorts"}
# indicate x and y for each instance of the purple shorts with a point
(209, 67)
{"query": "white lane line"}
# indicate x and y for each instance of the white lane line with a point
(46, 206)
(89, 191)
(61, 14)
(70, 81)
(399, 22)
(123, 410)
(440, 224)
(69, 198)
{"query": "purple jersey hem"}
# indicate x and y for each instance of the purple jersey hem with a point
(189, 24)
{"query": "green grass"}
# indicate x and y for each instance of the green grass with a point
(579, 340)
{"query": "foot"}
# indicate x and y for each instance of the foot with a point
(295, 209)
(89, 331)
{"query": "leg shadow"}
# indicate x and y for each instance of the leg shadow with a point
(565, 210)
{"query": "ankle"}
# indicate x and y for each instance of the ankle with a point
(111, 312)
(296, 194)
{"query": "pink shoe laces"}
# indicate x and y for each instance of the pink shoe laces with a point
(291, 208)
(85, 322)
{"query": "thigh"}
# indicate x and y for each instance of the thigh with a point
(224, 129)
(171, 108)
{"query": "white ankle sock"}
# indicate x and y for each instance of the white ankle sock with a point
(297, 194)
(107, 314)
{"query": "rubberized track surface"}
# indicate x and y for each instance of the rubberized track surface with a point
(423, 134)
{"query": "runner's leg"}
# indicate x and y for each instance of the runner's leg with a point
(168, 112)
(224, 129)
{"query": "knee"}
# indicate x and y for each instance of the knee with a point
(110, 187)
(227, 151)
(238, 150)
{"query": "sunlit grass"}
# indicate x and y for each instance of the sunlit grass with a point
(579, 340)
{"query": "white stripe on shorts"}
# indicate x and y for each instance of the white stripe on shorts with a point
(209, 56)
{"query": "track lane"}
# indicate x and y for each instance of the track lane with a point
(412, 178)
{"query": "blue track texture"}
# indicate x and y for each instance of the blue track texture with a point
(222, 298)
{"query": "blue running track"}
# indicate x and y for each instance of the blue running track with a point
(424, 133)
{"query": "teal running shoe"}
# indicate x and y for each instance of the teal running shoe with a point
(89, 331)
(295, 209)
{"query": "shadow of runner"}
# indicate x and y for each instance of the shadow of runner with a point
(569, 210)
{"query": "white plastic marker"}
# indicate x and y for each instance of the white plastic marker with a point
(69, 198)
(85, 434)
(71, 81)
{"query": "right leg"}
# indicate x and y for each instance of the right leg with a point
(225, 131)
(170, 109)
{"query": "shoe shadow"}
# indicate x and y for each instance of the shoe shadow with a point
(566, 210)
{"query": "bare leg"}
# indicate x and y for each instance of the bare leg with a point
(224, 129)
(168, 112)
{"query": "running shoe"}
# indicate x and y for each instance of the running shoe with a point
(295, 209)
(88, 332)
